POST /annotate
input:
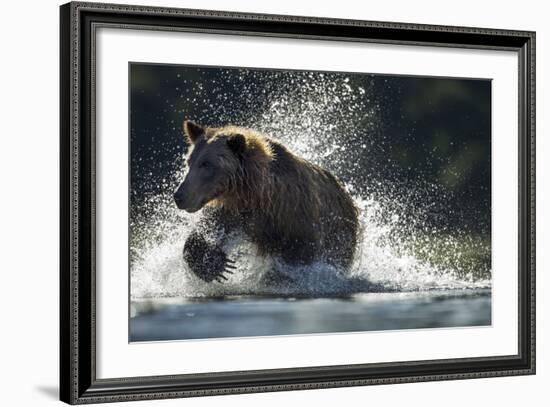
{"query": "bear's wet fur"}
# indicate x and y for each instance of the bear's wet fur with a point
(287, 206)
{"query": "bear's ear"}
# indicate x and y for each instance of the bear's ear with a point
(237, 143)
(192, 130)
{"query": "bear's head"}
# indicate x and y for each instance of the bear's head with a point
(222, 165)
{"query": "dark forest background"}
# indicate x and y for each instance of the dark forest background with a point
(416, 142)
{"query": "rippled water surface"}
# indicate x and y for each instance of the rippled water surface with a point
(183, 318)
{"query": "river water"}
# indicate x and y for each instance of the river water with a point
(239, 316)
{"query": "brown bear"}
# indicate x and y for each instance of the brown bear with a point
(287, 206)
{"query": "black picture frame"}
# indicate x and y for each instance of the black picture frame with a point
(78, 381)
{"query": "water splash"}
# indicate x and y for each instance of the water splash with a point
(309, 112)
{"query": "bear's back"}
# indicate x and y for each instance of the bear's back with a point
(312, 213)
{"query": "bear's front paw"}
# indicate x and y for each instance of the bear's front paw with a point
(215, 265)
(209, 263)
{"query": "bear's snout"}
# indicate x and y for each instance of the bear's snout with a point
(179, 201)
(179, 198)
(184, 200)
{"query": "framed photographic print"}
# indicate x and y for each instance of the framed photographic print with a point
(256, 203)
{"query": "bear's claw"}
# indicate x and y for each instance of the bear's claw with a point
(225, 264)
(219, 278)
(207, 262)
(229, 267)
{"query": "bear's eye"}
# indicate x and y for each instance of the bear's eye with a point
(205, 164)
